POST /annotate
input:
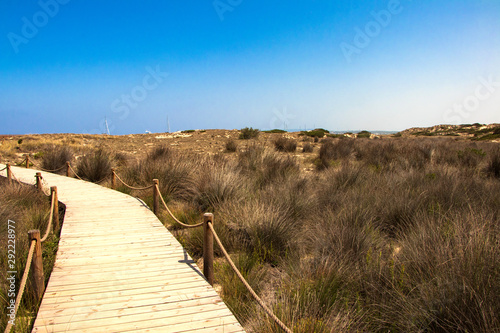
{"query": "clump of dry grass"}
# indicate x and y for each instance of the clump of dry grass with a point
(216, 183)
(285, 145)
(307, 148)
(231, 146)
(266, 167)
(94, 166)
(56, 157)
(175, 173)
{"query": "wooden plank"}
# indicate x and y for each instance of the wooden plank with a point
(175, 324)
(136, 302)
(169, 315)
(114, 313)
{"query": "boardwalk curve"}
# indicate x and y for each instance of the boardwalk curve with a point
(118, 269)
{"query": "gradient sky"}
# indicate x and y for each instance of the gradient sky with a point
(343, 65)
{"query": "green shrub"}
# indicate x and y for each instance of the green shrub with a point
(248, 133)
(188, 131)
(279, 131)
(364, 134)
(316, 133)
(94, 166)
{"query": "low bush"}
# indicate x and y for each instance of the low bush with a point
(279, 131)
(285, 145)
(316, 133)
(248, 133)
(364, 134)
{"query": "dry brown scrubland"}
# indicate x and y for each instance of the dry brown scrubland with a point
(393, 234)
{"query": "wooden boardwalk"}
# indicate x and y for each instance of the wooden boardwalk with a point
(118, 269)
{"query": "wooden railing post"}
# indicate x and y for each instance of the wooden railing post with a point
(39, 181)
(55, 216)
(9, 173)
(67, 169)
(28, 162)
(113, 178)
(37, 264)
(208, 248)
(156, 199)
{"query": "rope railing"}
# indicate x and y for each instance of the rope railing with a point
(247, 285)
(173, 216)
(27, 160)
(129, 186)
(34, 259)
(51, 217)
(74, 172)
(208, 251)
(23, 283)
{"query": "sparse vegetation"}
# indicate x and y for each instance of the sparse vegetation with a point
(398, 234)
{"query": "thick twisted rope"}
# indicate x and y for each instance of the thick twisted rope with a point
(172, 215)
(131, 187)
(14, 176)
(74, 172)
(23, 281)
(49, 226)
(46, 170)
(250, 289)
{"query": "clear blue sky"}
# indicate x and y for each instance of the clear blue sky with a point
(338, 64)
